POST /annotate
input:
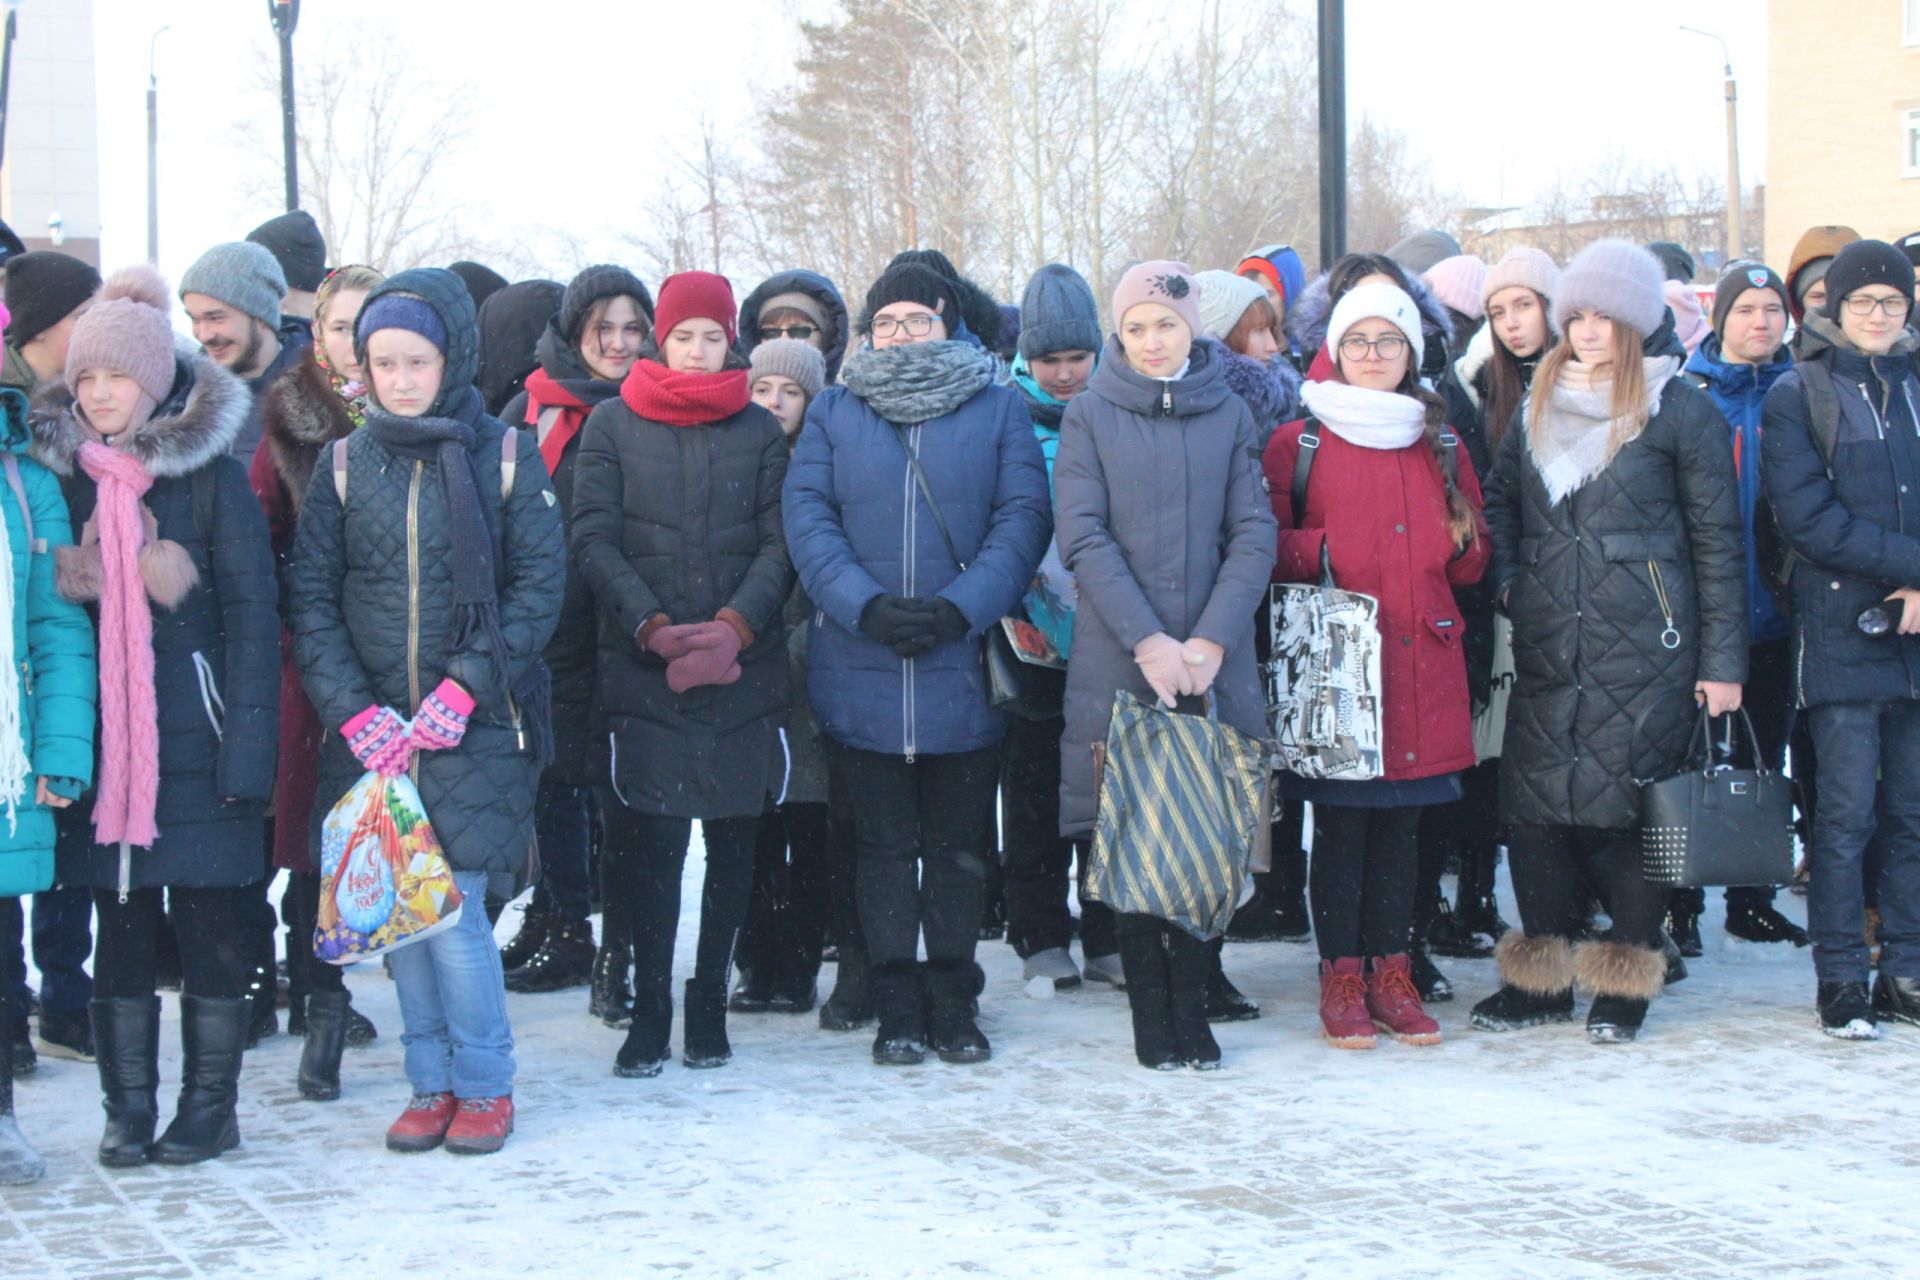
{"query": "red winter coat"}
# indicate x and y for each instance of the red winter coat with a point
(1382, 515)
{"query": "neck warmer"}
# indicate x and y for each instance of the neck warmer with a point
(920, 381)
(1045, 411)
(353, 392)
(1573, 444)
(1360, 415)
(129, 787)
(680, 399)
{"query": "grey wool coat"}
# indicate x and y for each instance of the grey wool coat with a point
(1161, 513)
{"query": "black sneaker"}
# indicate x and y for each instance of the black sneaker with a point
(1684, 928)
(1761, 923)
(65, 1035)
(1845, 1011)
(1897, 999)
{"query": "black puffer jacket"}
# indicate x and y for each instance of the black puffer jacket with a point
(685, 522)
(373, 613)
(216, 652)
(1599, 702)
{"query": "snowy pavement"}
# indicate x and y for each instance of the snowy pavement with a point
(1733, 1140)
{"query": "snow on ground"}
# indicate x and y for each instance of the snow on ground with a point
(1733, 1140)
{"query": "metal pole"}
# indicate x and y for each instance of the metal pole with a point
(285, 16)
(1333, 132)
(153, 153)
(1734, 239)
(6, 77)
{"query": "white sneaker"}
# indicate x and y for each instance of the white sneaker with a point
(1107, 970)
(1055, 965)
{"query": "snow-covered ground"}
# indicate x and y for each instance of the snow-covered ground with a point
(1733, 1140)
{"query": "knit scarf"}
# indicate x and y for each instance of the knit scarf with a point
(354, 393)
(14, 765)
(129, 784)
(544, 392)
(1360, 415)
(683, 399)
(920, 381)
(1041, 407)
(1574, 444)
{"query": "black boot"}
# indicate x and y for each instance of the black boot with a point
(205, 1123)
(1433, 986)
(533, 932)
(850, 1007)
(360, 1029)
(565, 959)
(263, 993)
(901, 1040)
(1259, 919)
(19, 1162)
(1536, 975)
(609, 998)
(1623, 977)
(644, 1052)
(1897, 999)
(1752, 917)
(755, 992)
(1224, 1001)
(1193, 970)
(1676, 970)
(327, 1013)
(126, 1042)
(951, 1030)
(1683, 921)
(1476, 908)
(1846, 1013)
(1143, 954)
(795, 985)
(704, 1033)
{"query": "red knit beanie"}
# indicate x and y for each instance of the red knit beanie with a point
(694, 295)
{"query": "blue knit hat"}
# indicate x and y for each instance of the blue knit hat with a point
(402, 311)
(1058, 313)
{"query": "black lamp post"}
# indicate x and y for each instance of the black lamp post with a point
(6, 69)
(1333, 132)
(285, 16)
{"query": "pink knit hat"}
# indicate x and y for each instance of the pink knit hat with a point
(1689, 321)
(1526, 267)
(1457, 282)
(1168, 283)
(127, 330)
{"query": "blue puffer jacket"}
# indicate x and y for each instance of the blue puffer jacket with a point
(53, 652)
(858, 527)
(1739, 390)
(1858, 529)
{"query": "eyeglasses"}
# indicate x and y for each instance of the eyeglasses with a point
(768, 332)
(918, 325)
(1387, 348)
(1860, 304)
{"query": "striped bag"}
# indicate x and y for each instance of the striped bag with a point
(1184, 802)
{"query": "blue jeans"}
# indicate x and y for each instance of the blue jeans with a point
(453, 1002)
(62, 941)
(561, 823)
(1860, 745)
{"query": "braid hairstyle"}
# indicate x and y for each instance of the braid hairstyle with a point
(1462, 524)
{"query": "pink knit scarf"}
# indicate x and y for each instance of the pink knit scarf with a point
(129, 783)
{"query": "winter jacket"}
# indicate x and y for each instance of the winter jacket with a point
(216, 654)
(858, 527)
(573, 652)
(54, 661)
(1854, 527)
(1738, 391)
(806, 746)
(374, 621)
(300, 417)
(1161, 516)
(296, 340)
(1271, 390)
(1382, 515)
(15, 372)
(1308, 320)
(815, 286)
(1599, 702)
(511, 322)
(685, 522)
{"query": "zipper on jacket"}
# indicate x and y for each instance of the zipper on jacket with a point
(126, 870)
(413, 602)
(26, 677)
(1671, 636)
(1879, 423)
(907, 522)
(1166, 399)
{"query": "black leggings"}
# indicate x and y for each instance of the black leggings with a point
(787, 917)
(1362, 877)
(300, 905)
(218, 931)
(1554, 868)
(644, 861)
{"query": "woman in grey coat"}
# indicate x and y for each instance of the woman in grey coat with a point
(1161, 515)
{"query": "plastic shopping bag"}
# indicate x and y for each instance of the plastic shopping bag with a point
(383, 880)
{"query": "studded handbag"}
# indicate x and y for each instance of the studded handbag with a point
(1714, 823)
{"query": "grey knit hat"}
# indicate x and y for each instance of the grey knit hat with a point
(1058, 313)
(241, 274)
(1224, 298)
(790, 358)
(1423, 249)
(1616, 277)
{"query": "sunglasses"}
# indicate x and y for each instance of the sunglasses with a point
(768, 332)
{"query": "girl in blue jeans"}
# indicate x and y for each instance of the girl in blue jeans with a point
(425, 583)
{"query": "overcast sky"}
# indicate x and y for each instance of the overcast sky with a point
(574, 106)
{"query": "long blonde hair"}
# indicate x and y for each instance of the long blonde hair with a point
(1625, 375)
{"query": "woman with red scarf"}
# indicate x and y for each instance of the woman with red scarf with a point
(676, 532)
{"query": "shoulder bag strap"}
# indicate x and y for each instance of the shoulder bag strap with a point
(920, 478)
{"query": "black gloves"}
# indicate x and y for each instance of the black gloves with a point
(912, 627)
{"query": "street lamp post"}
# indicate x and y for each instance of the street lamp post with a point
(6, 68)
(153, 152)
(1734, 239)
(1333, 132)
(285, 16)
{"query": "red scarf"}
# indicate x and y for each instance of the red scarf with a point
(544, 393)
(659, 394)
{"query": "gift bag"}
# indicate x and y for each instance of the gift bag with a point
(1183, 801)
(383, 880)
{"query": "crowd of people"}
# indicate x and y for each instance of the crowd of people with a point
(593, 562)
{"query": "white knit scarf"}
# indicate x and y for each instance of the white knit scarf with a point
(1368, 418)
(14, 765)
(1574, 442)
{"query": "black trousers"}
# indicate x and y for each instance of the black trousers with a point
(787, 913)
(1464, 829)
(300, 907)
(218, 931)
(923, 833)
(1037, 859)
(1362, 878)
(645, 859)
(1554, 868)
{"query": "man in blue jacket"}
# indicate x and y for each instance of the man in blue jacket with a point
(1737, 363)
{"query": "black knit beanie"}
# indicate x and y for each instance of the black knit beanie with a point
(594, 284)
(913, 282)
(43, 288)
(1866, 262)
(1737, 279)
(295, 241)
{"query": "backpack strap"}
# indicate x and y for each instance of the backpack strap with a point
(12, 466)
(1303, 467)
(340, 470)
(1823, 408)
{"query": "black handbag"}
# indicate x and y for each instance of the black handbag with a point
(1715, 824)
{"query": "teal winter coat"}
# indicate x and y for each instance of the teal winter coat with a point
(53, 670)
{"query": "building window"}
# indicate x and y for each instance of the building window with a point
(1910, 144)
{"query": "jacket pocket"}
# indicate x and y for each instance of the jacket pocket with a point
(1624, 547)
(1528, 554)
(210, 700)
(1444, 627)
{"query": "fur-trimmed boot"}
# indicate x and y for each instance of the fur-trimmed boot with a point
(1536, 984)
(1624, 978)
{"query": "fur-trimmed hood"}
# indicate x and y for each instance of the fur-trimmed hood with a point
(301, 414)
(1271, 389)
(1307, 322)
(197, 423)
